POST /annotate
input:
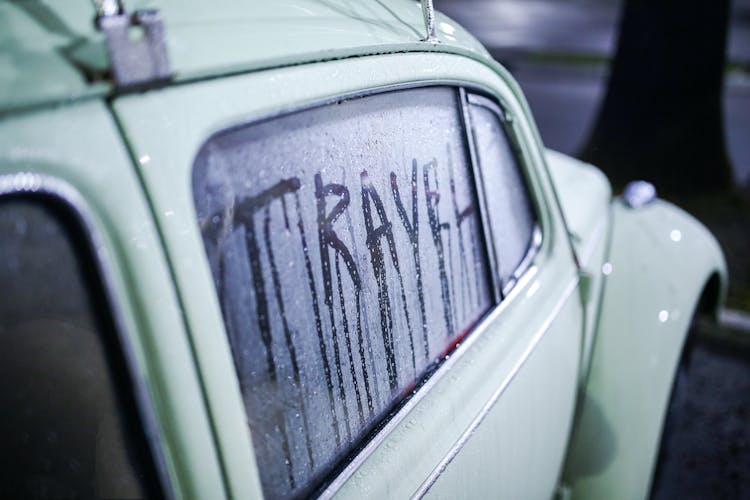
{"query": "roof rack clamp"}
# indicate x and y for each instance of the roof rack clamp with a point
(136, 47)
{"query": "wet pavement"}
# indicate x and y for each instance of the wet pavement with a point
(708, 444)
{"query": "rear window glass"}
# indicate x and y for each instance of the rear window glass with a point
(69, 427)
(345, 247)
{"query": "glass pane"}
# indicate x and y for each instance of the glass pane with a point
(510, 213)
(345, 248)
(64, 432)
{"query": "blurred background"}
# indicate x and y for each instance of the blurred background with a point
(657, 91)
(684, 72)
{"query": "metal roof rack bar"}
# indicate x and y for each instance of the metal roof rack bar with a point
(428, 12)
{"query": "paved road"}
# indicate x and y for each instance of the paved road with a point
(708, 447)
(565, 98)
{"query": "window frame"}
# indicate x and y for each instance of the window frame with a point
(507, 123)
(326, 485)
(323, 482)
(62, 198)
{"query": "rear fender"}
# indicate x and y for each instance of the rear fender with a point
(660, 261)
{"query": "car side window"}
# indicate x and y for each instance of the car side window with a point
(510, 213)
(69, 426)
(346, 250)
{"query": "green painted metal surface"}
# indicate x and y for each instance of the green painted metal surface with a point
(661, 258)
(586, 216)
(517, 449)
(589, 224)
(52, 52)
(44, 48)
(231, 35)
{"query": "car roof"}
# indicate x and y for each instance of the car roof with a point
(52, 52)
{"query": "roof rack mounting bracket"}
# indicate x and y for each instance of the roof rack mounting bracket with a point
(136, 47)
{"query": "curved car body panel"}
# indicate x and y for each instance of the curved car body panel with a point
(585, 195)
(43, 50)
(517, 446)
(53, 52)
(660, 260)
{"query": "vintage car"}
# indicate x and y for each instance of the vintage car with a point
(317, 248)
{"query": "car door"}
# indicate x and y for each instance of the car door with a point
(378, 287)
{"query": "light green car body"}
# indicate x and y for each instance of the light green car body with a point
(563, 387)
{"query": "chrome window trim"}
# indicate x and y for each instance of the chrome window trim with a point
(48, 188)
(537, 235)
(479, 193)
(534, 245)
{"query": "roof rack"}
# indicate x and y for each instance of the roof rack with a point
(428, 12)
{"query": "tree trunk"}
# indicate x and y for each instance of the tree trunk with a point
(662, 119)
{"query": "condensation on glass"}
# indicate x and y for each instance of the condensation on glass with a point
(511, 216)
(345, 247)
(68, 429)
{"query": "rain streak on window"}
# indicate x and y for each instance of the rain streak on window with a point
(345, 249)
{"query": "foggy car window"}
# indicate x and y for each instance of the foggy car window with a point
(345, 249)
(509, 209)
(68, 430)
